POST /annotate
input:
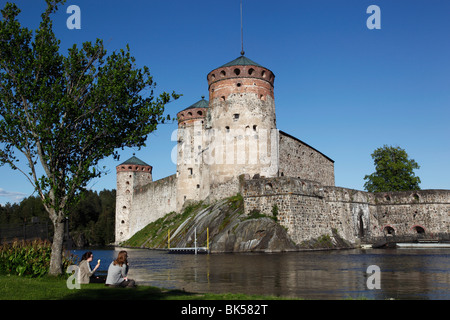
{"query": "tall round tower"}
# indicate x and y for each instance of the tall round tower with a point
(243, 139)
(131, 174)
(191, 171)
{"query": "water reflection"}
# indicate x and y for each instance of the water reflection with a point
(405, 273)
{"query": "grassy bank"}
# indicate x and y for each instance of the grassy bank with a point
(50, 288)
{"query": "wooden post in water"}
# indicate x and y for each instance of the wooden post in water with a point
(195, 240)
(168, 240)
(207, 239)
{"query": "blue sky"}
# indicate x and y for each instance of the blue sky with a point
(340, 87)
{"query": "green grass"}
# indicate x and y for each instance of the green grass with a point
(51, 288)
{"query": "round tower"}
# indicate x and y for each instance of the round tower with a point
(191, 171)
(131, 174)
(242, 109)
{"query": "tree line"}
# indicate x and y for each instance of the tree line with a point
(91, 221)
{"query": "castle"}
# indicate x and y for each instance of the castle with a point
(231, 144)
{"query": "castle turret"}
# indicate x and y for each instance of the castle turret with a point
(242, 108)
(191, 170)
(131, 174)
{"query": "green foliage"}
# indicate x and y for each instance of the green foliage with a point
(67, 113)
(394, 171)
(92, 220)
(256, 214)
(91, 223)
(275, 212)
(31, 259)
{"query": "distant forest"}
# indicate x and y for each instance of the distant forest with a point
(91, 221)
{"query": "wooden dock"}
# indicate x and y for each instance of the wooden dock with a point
(198, 250)
(190, 250)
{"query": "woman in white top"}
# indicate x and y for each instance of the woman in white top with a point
(84, 272)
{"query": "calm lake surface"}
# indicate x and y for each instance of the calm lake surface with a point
(405, 273)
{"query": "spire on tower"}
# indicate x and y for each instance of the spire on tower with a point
(242, 34)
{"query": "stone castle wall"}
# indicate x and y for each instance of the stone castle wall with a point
(151, 202)
(406, 212)
(297, 159)
(309, 210)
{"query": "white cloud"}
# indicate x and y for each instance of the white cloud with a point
(12, 195)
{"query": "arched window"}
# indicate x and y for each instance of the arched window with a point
(418, 229)
(388, 230)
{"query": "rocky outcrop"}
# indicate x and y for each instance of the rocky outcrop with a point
(254, 235)
(228, 228)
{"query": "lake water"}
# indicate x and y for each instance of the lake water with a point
(404, 273)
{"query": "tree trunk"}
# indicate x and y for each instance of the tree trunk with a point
(57, 249)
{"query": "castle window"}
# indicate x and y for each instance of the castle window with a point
(222, 98)
(189, 113)
(237, 71)
(250, 71)
(239, 84)
(263, 74)
(227, 128)
(419, 229)
(190, 171)
(389, 230)
(123, 221)
(198, 186)
(236, 116)
(199, 113)
(222, 73)
(213, 76)
(254, 127)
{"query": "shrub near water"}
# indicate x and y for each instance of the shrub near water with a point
(28, 258)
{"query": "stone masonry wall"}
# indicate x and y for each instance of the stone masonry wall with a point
(299, 160)
(405, 211)
(308, 209)
(151, 202)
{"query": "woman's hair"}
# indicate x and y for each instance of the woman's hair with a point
(86, 255)
(121, 258)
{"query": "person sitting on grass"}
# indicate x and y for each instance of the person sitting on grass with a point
(84, 272)
(117, 272)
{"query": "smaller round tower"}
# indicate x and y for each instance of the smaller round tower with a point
(191, 171)
(131, 174)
